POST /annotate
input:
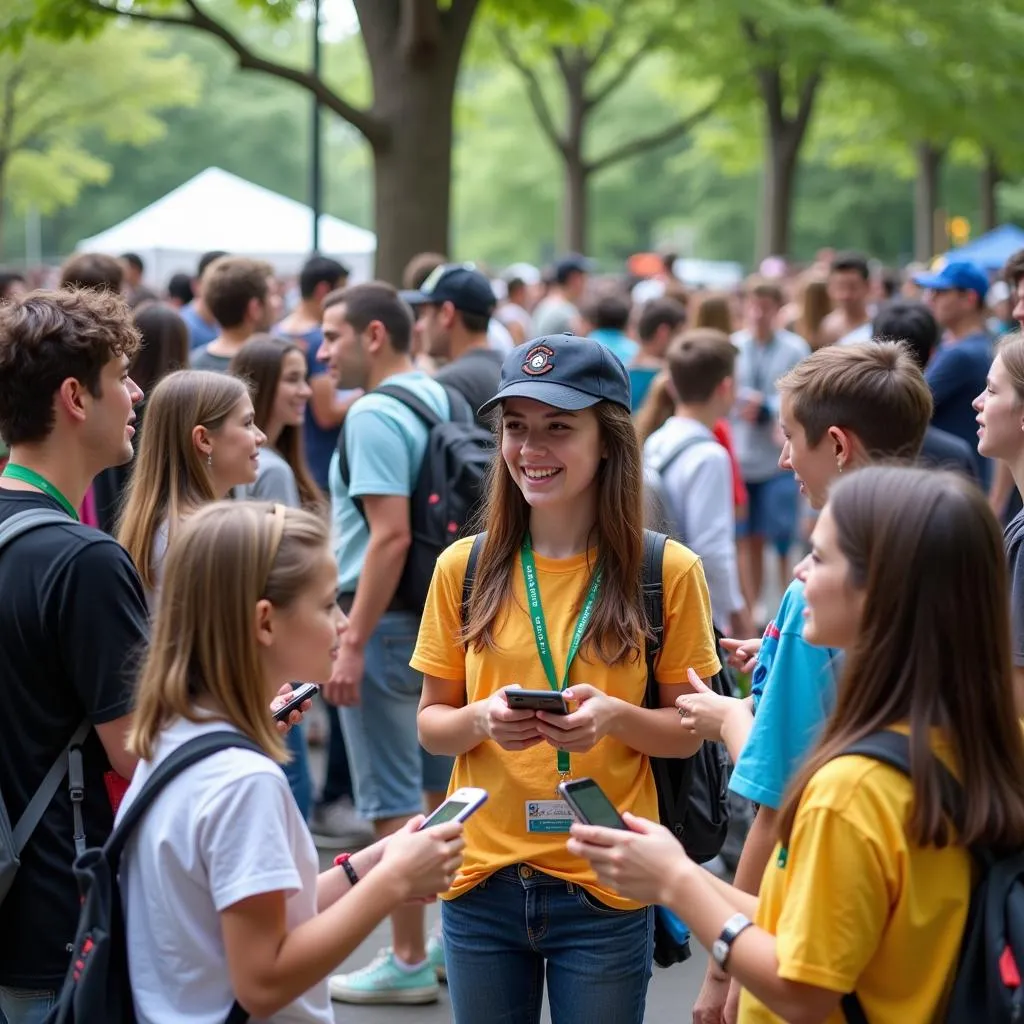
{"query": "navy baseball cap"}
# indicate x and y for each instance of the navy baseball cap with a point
(461, 284)
(965, 277)
(562, 371)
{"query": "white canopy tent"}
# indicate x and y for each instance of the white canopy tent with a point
(218, 210)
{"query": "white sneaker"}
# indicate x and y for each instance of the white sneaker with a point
(338, 825)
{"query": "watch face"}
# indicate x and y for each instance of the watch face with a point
(720, 952)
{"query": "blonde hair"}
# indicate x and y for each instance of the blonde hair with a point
(170, 477)
(226, 558)
(1011, 350)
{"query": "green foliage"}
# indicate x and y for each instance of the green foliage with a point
(56, 99)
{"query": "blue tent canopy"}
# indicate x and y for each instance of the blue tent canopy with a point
(991, 250)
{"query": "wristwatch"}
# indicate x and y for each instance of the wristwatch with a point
(722, 946)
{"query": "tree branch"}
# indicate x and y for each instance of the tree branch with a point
(627, 68)
(805, 104)
(360, 119)
(645, 143)
(533, 91)
(769, 78)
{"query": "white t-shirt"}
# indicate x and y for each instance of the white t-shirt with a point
(226, 829)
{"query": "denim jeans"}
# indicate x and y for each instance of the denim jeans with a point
(503, 937)
(390, 770)
(296, 771)
(24, 1006)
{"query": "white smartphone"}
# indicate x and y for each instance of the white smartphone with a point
(458, 807)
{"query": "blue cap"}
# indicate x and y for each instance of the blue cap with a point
(964, 277)
(562, 371)
(461, 284)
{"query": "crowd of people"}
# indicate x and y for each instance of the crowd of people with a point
(238, 458)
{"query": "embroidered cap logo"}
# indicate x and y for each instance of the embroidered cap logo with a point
(538, 361)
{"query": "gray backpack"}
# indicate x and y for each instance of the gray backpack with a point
(69, 762)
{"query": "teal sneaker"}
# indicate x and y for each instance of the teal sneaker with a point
(435, 957)
(383, 981)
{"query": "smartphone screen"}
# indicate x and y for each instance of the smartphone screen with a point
(587, 797)
(448, 811)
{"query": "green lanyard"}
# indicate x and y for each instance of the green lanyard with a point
(30, 476)
(540, 629)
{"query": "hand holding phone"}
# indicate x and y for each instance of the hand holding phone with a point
(551, 701)
(511, 729)
(298, 697)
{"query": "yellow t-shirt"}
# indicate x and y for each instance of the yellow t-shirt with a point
(496, 836)
(855, 906)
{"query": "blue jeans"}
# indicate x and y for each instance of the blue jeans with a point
(296, 771)
(502, 937)
(24, 1006)
(390, 770)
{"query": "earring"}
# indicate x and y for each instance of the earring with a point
(839, 467)
(209, 460)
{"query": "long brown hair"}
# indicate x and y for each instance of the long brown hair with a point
(932, 649)
(227, 557)
(658, 405)
(618, 623)
(1011, 350)
(713, 311)
(170, 477)
(815, 305)
(259, 362)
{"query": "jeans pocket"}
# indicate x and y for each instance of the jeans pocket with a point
(590, 902)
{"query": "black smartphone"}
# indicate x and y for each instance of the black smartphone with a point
(550, 701)
(589, 804)
(299, 697)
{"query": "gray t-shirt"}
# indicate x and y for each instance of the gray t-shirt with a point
(204, 359)
(475, 375)
(1013, 538)
(554, 316)
(275, 481)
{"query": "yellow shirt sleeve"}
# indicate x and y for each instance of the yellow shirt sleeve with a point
(438, 649)
(689, 633)
(839, 887)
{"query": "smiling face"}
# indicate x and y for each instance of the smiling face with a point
(292, 393)
(552, 455)
(110, 424)
(1000, 416)
(834, 607)
(815, 468)
(235, 449)
(343, 350)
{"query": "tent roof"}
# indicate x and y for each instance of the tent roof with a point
(218, 210)
(991, 250)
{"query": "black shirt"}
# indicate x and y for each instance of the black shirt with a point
(73, 624)
(475, 374)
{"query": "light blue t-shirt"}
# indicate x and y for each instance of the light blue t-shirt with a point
(794, 689)
(385, 442)
(200, 333)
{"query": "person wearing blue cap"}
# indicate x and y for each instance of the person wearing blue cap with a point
(958, 371)
(557, 574)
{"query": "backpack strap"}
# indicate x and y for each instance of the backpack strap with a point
(33, 813)
(188, 754)
(70, 757)
(662, 465)
(654, 601)
(470, 577)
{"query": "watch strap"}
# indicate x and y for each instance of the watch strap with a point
(344, 861)
(731, 930)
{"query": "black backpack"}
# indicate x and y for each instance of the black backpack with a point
(448, 489)
(988, 979)
(693, 792)
(96, 986)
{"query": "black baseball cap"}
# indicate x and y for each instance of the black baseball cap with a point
(562, 371)
(461, 284)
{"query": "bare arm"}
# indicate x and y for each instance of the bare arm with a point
(757, 851)
(112, 735)
(656, 733)
(327, 408)
(446, 723)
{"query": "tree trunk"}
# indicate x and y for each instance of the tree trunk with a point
(577, 172)
(926, 198)
(412, 164)
(990, 178)
(780, 162)
(3, 206)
